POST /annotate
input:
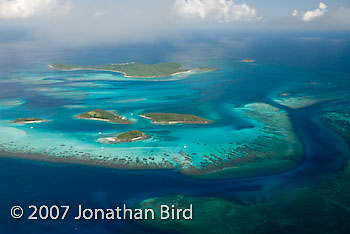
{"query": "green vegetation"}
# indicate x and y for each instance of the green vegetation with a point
(30, 119)
(172, 118)
(103, 115)
(129, 136)
(130, 69)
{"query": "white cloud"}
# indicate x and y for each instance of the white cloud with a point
(14, 9)
(218, 10)
(99, 13)
(295, 13)
(311, 15)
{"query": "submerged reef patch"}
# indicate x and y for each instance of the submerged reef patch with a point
(321, 208)
(339, 121)
(299, 101)
(10, 103)
(274, 147)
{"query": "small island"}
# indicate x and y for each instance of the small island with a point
(102, 115)
(29, 120)
(285, 94)
(172, 118)
(248, 60)
(130, 136)
(134, 70)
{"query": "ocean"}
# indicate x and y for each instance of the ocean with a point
(285, 62)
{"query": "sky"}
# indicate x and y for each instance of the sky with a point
(106, 21)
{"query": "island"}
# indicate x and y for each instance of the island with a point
(102, 115)
(29, 120)
(172, 118)
(135, 70)
(130, 136)
(248, 60)
(285, 94)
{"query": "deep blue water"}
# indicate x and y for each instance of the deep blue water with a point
(289, 60)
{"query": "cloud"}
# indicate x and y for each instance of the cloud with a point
(16, 9)
(99, 13)
(295, 13)
(218, 10)
(311, 15)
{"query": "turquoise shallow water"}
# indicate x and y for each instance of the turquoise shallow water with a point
(59, 96)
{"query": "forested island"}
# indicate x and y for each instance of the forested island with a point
(130, 136)
(172, 118)
(134, 70)
(248, 60)
(106, 116)
(28, 120)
